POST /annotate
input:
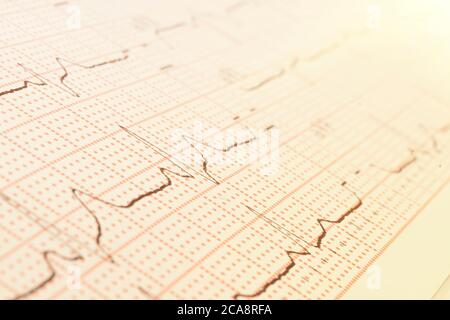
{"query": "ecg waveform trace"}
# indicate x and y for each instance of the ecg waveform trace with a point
(97, 200)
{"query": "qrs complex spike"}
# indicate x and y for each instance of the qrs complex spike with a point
(165, 172)
(358, 204)
(46, 256)
(61, 85)
(296, 239)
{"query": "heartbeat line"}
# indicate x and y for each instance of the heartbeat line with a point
(63, 65)
(46, 255)
(185, 173)
(281, 73)
(269, 79)
(296, 239)
(65, 88)
(26, 84)
(405, 164)
(204, 173)
(165, 172)
(318, 243)
(125, 54)
(414, 152)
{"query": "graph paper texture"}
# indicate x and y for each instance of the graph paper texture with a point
(98, 200)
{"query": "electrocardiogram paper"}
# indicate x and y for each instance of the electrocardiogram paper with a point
(215, 150)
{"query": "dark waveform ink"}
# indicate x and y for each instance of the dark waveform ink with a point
(25, 85)
(402, 166)
(318, 244)
(223, 150)
(63, 65)
(312, 57)
(44, 82)
(55, 232)
(405, 164)
(146, 293)
(277, 278)
(184, 173)
(282, 72)
(164, 172)
(291, 235)
(125, 56)
(414, 152)
(267, 80)
(355, 207)
(166, 67)
(46, 255)
(296, 239)
(43, 224)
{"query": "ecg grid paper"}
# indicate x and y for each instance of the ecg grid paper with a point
(98, 202)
